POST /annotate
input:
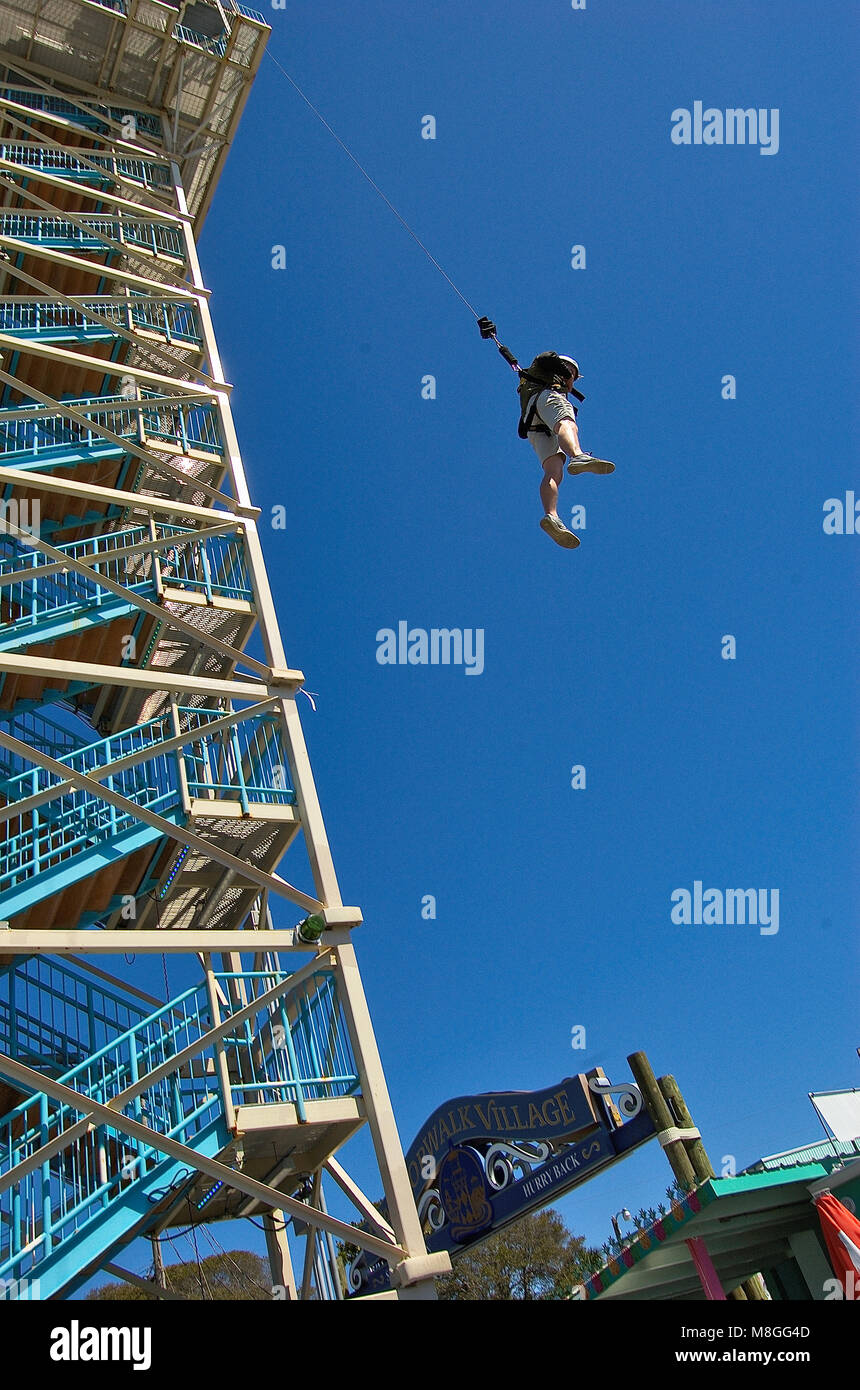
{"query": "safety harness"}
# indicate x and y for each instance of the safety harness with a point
(546, 372)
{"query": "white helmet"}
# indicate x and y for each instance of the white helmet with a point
(573, 364)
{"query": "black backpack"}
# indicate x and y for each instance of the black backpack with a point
(547, 371)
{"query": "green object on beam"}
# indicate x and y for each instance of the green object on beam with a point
(311, 929)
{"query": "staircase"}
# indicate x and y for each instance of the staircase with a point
(50, 845)
(51, 601)
(72, 1195)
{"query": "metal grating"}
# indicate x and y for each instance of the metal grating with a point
(138, 56)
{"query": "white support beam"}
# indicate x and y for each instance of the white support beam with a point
(400, 1201)
(310, 1240)
(134, 501)
(358, 1198)
(142, 677)
(310, 813)
(273, 1177)
(191, 393)
(278, 1250)
(53, 942)
(154, 1290)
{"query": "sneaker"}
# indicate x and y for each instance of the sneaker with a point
(587, 463)
(556, 528)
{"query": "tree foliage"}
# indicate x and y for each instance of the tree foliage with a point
(536, 1258)
(238, 1275)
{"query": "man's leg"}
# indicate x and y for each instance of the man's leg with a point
(553, 471)
(568, 438)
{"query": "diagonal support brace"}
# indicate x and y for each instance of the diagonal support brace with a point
(269, 1196)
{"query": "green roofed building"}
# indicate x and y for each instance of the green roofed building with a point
(763, 1221)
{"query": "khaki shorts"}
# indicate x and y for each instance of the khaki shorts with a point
(552, 407)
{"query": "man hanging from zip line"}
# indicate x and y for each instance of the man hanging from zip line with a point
(548, 421)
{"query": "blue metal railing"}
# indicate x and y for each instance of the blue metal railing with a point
(41, 435)
(27, 604)
(54, 1015)
(181, 31)
(94, 233)
(95, 167)
(242, 763)
(71, 825)
(41, 730)
(245, 762)
(58, 1200)
(187, 426)
(172, 319)
(214, 566)
(295, 1049)
(60, 106)
(218, 46)
(299, 1037)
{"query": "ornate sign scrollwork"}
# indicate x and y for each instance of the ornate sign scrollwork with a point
(430, 1209)
(501, 1160)
(629, 1096)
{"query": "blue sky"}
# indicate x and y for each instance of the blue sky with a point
(553, 904)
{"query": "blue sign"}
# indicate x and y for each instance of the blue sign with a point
(515, 1116)
(463, 1193)
(554, 1177)
(463, 1166)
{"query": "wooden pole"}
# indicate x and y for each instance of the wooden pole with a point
(158, 1263)
(655, 1104)
(695, 1149)
(754, 1288)
(703, 1169)
(675, 1150)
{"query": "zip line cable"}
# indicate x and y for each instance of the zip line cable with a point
(373, 184)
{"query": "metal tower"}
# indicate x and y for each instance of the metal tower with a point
(153, 772)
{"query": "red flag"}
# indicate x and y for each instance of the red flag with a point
(841, 1233)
